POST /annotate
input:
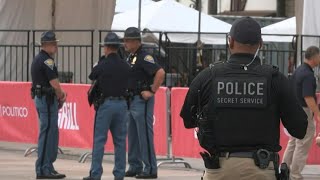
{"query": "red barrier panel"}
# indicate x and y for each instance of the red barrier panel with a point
(19, 120)
(184, 141)
(160, 120)
(185, 144)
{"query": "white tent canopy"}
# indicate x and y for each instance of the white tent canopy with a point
(311, 23)
(285, 27)
(125, 5)
(168, 15)
(51, 14)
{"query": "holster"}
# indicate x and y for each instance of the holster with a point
(39, 91)
(211, 161)
(32, 92)
(98, 101)
(205, 133)
(92, 92)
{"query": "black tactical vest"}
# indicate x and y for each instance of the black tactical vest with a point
(242, 109)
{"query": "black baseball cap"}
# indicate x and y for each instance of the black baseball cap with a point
(48, 36)
(132, 33)
(111, 39)
(246, 31)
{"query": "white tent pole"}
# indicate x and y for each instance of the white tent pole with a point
(199, 43)
(299, 19)
(139, 19)
(199, 22)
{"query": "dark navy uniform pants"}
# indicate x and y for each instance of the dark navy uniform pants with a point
(141, 154)
(48, 135)
(110, 115)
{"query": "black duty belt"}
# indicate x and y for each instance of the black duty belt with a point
(134, 93)
(42, 91)
(115, 98)
(261, 158)
(245, 155)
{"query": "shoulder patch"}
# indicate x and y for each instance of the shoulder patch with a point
(49, 63)
(149, 58)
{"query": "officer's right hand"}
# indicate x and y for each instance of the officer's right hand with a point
(64, 97)
(146, 95)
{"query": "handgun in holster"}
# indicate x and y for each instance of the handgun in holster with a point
(92, 92)
(211, 161)
(99, 99)
(205, 133)
(32, 93)
(40, 91)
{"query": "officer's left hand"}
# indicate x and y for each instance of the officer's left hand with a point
(60, 105)
(146, 94)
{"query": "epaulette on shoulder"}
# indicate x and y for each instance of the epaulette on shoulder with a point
(268, 68)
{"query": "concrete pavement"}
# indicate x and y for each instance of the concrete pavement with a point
(14, 166)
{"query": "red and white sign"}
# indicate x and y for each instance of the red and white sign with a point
(185, 144)
(19, 119)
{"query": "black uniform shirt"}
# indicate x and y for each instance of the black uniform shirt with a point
(143, 69)
(112, 75)
(43, 69)
(304, 82)
(291, 113)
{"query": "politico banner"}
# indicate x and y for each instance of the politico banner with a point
(185, 142)
(19, 118)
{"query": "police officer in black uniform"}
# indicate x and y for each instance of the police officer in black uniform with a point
(237, 106)
(49, 98)
(112, 75)
(146, 76)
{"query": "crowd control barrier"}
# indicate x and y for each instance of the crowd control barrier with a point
(185, 143)
(19, 119)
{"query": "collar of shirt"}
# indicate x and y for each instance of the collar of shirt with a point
(308, 67)
(138, 51)
(243, 59)
(112, 56)
(44, 52)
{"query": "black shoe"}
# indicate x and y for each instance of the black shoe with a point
(90, 178)
(130, 174)
(51, 176)
(146, 176)
(118, 178)
(56, 173)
